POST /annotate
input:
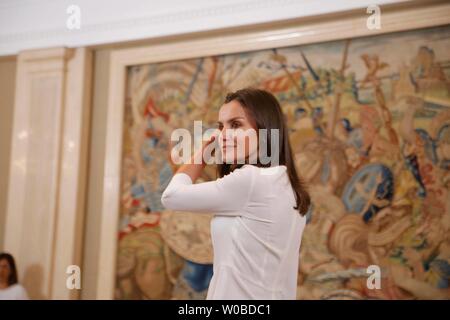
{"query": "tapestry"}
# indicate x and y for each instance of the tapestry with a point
(369, 122)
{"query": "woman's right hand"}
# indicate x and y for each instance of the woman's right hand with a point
(208, 152)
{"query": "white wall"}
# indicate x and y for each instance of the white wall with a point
(29, 24)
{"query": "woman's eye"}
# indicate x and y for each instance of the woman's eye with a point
(235, 125)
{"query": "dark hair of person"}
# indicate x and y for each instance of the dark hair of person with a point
(12, 279)
(264, 109)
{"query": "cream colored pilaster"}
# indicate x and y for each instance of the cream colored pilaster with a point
(45, 206)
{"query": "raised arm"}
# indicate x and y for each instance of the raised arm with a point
(197, 162)
(225, 196)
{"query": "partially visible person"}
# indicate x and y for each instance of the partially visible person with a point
(10, 289)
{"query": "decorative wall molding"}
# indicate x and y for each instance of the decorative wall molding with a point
(31, 24)
(47, 176)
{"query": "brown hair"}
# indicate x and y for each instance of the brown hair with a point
(12, 279)
(265, 110)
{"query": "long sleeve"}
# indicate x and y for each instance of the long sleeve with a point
(225, 196)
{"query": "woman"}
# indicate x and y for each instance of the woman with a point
(10, 289)
(259, 209)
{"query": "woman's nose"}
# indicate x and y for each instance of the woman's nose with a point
(226, 135)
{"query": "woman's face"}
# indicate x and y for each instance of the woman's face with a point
(4, 270)
(238, 137)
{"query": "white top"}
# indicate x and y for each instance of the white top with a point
(14, 292)
(256, 233)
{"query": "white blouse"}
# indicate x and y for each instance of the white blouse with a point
(14, 292)
(256, 232)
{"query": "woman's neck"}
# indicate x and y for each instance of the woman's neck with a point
(3, 285)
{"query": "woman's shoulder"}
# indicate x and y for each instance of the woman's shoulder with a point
(260, 177)
(251, 174)
(15, 292)
(20, 290)
(17, 287)
(265, 171)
